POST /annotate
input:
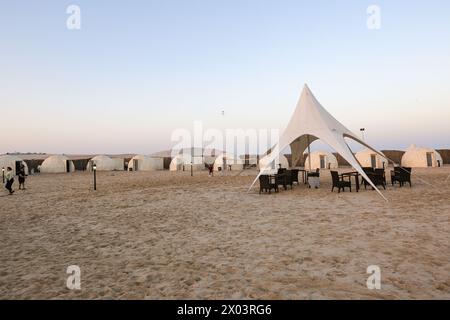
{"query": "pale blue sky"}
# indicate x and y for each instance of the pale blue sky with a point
(137, 70)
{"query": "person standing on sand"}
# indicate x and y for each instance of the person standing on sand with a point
(210, 168)
(9, 180)
(22, 176)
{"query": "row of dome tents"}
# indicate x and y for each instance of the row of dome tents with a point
(63, 164)
(49, 165)
(222, 162)
(413, 157)
(136, 163)
(184, 162)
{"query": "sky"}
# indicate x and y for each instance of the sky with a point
(136, 71)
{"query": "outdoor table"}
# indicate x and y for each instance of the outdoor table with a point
(354, 174)
(304, 175)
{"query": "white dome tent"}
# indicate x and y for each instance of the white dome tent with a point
(321, 160)
(57, 164)
(280, 162)
(183, 162)
(249, 159)
(145, 163)
(105, 163)
(228, 161)
(368, 158)
(418, 157)
(119, 164)
(12, 161)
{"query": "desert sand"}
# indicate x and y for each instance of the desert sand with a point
(166, 235)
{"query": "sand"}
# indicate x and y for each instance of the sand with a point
(166, 235)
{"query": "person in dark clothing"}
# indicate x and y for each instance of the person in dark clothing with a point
(211, 169)
(9, 180)
(22, 176)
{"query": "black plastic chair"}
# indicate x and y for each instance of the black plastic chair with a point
(401, 175)
(339, 182)
(280, 179)
(266, 185)
(288, 178)
(294, 176)
(368, 171)
(377, 177)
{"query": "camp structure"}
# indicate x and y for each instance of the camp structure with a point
(13, 162)
(57, 164)
(228, 161)
(321, 160)
(368, 158)
(119, 163)
(184, 162)
(145, 163)
(250, 160)
(309, 122)
(421, 157)
(280, 162)
(198, 158)
(105, 163)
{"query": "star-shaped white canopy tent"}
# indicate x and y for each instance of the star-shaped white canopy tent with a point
(310, 122)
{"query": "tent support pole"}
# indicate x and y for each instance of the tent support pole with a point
(309, 152)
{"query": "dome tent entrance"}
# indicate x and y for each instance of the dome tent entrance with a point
(13, 162)
(310, 122)
(228, 161)
(105, 163)
(145, 163)
(321, 160)
(197, 158)
(368, 158)
(419, 157)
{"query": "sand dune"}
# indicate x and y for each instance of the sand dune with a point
(165, 235)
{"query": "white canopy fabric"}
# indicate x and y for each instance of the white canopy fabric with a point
(310, 122)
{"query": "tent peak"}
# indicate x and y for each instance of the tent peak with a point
(306, 88)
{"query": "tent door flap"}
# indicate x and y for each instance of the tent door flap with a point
(373, 160)
(18, 163)
(322, 162)
(429, 160)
